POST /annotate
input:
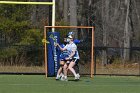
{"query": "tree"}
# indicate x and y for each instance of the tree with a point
(127, 32)
(73, 14)
(105, 20)
(66, 10)
(17, 29)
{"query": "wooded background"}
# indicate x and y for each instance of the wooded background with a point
(116, 22)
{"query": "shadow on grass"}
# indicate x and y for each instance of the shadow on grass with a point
(74, 80)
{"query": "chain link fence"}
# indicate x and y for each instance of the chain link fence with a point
(114, 63)
(21, 59)
(30, 59)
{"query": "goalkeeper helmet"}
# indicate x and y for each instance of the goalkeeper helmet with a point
(70, 33)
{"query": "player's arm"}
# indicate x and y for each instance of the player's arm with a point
(62, 49)
(71, 55)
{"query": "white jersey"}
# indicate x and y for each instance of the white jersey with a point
(72, 47)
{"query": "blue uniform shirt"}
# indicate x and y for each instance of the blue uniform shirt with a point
(64, 54)
(76, 41)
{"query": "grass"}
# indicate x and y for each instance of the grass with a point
(39, 84)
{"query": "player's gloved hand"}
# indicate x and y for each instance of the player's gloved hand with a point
(56, 44)
(67, 58)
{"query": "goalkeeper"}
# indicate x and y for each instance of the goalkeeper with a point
(73, 58)
(76, 41)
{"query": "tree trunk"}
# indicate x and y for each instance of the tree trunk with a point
(34, 15)
(73, 15)
(127, 33)
(61, 4)
(66, 10)
(105, 19)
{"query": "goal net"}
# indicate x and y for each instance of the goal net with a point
(85, 40)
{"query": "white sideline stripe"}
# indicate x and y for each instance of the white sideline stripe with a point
(63, 85)
(22, 84)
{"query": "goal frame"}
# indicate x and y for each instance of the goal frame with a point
(45, 46)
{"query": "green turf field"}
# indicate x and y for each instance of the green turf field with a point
(39, 84)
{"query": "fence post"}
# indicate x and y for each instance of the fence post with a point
(94, 61)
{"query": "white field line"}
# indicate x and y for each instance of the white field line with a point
(70, 85)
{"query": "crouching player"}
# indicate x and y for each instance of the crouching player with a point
(62, 62)
(63, 55)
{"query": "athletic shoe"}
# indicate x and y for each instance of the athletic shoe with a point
(78, 76)
(61, 74)
(57, 78)
(64, 78)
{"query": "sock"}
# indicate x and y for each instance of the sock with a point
(58, 75)
(65, 77)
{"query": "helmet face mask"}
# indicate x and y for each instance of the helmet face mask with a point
(70, 36)
(68, 40)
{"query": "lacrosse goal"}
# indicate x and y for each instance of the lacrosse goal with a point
(86, 49)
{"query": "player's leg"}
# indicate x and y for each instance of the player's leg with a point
(62, 62)
(71, 65)
(58, 73)
(65, 69)
(76, 68)
(60, 70)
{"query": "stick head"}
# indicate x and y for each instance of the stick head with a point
(45, 41)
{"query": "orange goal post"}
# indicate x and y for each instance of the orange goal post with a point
(82, 27)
